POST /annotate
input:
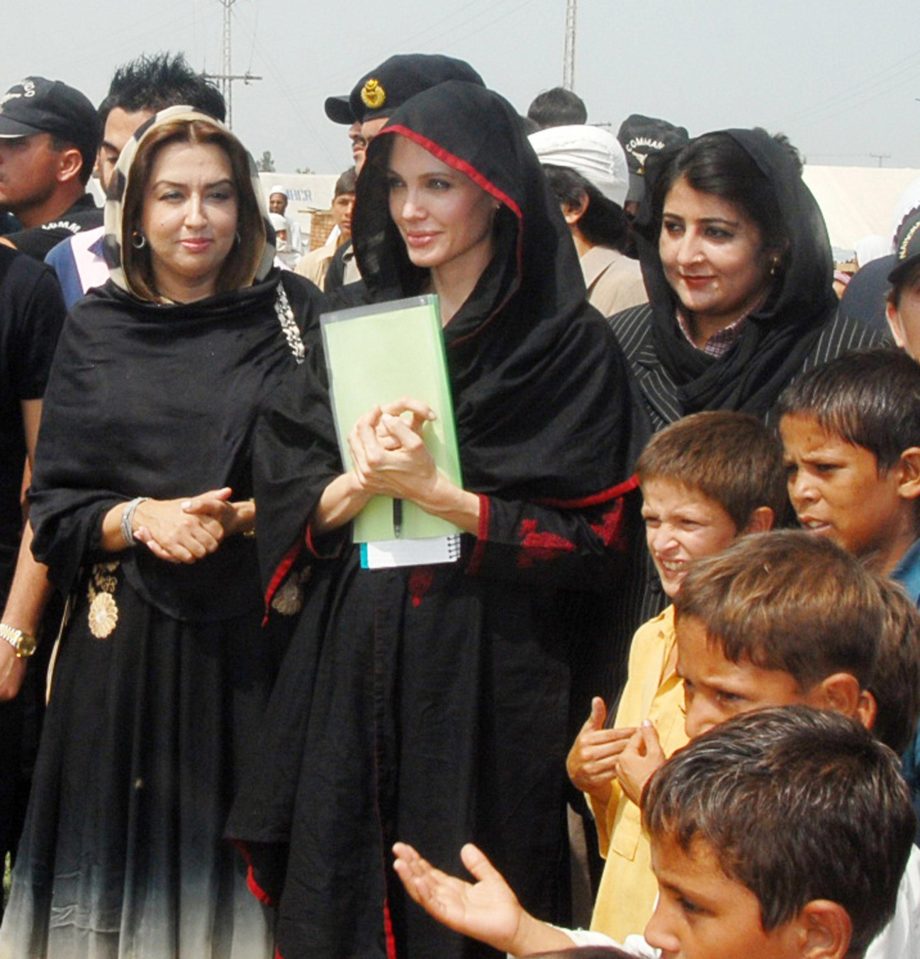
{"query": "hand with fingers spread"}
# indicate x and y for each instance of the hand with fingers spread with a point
(638, 760)
(487, 909)
(592, 760)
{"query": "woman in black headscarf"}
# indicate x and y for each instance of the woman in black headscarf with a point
(141, 502)
(739, 271)
(431, 702)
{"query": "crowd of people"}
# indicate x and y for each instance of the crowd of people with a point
(686, 509)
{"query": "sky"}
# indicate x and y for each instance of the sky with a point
(842, 81)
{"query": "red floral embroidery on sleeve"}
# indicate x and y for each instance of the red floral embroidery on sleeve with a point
(539, 546)
(611, 529)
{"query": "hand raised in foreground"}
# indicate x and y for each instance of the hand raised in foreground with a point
(592, 760)
(641, 757)
(486, 909)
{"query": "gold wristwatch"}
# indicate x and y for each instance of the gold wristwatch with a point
(22, 643)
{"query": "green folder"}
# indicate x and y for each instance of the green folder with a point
(376, 355)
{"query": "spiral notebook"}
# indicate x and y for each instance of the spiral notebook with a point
(375, 355)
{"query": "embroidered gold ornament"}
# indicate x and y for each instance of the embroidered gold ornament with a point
(103, 610)
(103, 615)
(289, 598)
(373, 96)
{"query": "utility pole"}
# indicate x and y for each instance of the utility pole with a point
(880, 157)
(226, 77)
(568, 59)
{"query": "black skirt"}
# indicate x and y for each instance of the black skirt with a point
(122, 853)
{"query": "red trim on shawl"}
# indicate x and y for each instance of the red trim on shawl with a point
(282, 570)
(461, 166)
(604, 496)
(482, 534)
(388, 931)
(251, 882)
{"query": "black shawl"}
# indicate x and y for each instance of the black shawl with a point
(160, 400)
(539, 385)
(775, 339)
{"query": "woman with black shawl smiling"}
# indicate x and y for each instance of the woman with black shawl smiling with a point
(141, 502)
(738, 268)
(432, 702)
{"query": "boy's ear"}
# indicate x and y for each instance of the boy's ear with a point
(894, 322)
(842, 693)
(909, 473)
(825, 929)
(760, 521)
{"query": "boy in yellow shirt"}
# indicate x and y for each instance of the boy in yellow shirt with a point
(705, 480)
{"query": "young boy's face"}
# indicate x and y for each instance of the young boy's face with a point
(715, 688)
(704, 914)
(682, 524)
(837, 491)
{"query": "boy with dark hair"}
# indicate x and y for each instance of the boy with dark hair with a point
(781, 834)
(705, 479)
(753, 632)
(851, 441)
(315, 264)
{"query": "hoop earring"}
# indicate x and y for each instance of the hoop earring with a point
(138, 240)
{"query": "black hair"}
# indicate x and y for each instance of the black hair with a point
(154, 82)
(717, 164)
(731, 457)
(603, 222)
(346, 183)
(870, 398)
(796, 804)
(557, 107)
(903, 282)
(788, 601)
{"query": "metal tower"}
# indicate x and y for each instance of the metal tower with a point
(226, 77)
(568, 59)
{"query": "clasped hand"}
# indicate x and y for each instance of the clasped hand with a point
(388, 453)
(187, 530)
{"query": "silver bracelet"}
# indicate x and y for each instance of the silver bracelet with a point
(127, 519)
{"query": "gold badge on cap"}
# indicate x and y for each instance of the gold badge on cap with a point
(373, 96)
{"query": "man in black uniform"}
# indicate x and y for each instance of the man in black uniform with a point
(49, 135)
(31, 316)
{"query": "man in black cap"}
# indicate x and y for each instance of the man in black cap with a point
(372, 102)
(49, 134)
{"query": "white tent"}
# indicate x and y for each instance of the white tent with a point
(857, 201)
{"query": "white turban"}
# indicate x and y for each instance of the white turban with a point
(594, 153)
